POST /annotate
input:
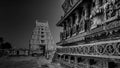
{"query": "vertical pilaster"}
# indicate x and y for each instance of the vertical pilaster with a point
(77, 17)
(105, 64)
(71, 25)
(64, 57)
(75, 59)
(67, 28)
(57, 56)
(69, 58)
(75, 66)
(67, 25)
(71, 21)
(64, 30)
(74, 24)
(64, 25)
(73, 15)
(60, 58)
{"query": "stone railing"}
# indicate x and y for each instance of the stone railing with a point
(108, 49)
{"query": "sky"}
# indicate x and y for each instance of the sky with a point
(17, 19)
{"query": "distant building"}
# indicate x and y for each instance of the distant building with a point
(42, 40)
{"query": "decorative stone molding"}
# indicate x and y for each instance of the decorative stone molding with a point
(108, 49)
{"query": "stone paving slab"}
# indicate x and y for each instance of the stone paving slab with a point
(42, 61)
(27, 62)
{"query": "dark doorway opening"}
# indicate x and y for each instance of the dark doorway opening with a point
(42, 48)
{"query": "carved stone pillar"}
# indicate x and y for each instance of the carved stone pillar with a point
(77, 14)
(67, 24)
(74, 25)
(71, 21)
(87, 64)
(75, 66)
(77, 17)
(73, 15)
(68, 27)
(64, 25)
(60, 58)
(64, 57)
(69, 58)
(71, 25)
(75, 59)
(85, 10)
(105, 64)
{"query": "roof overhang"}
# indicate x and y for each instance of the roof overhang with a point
(68, 13)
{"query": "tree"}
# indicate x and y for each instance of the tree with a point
(3, 46)
(6, 45)
(1, 42)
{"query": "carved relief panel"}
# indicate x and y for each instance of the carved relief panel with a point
(68, 4)
(73, 2)
(110, 11)
(97, 14)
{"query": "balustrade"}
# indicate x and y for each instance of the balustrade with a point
(75, 61)
(98, 50)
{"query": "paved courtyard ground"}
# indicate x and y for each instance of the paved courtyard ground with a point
(26, 62)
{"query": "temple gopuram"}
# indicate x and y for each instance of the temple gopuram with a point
(42, 43)
(91, 34)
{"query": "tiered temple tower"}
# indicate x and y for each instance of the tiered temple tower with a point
(91, 34)
(42, 41)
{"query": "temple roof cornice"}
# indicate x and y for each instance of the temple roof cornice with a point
(69, 12)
